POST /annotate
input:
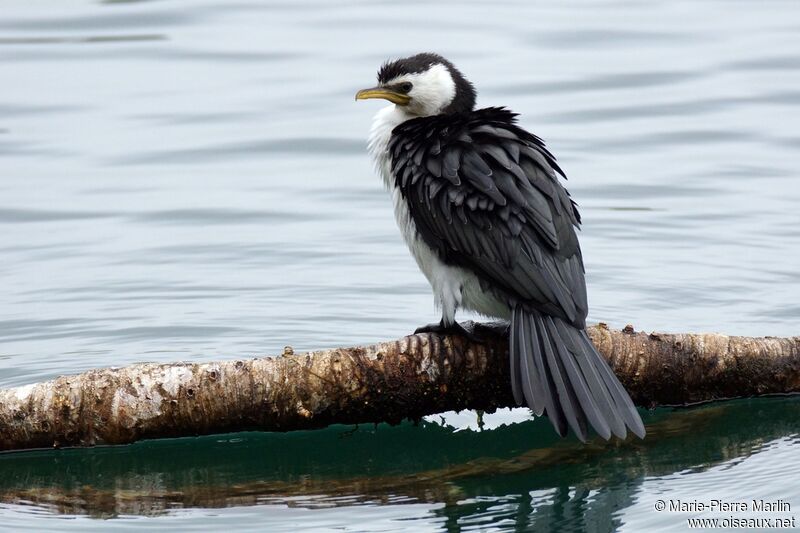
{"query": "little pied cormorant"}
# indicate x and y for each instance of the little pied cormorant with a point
(480, 205)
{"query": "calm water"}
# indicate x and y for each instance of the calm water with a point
(188, 181)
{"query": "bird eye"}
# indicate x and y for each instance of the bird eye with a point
(405, 87)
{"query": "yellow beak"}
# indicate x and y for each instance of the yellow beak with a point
(386, 94)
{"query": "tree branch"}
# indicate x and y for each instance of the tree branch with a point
(387, 382)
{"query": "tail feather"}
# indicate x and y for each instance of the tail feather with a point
(516, 381)
(566, 395)
(579, 382)
(547, 385)
(599, 391)
(556, 369)
(538, 391)
(625, 406)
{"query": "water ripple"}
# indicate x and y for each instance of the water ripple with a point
(601, 82)
(224, 216)
(104, 22)
(322, 146)
(16, 216)
(606, 38)
(699, 106)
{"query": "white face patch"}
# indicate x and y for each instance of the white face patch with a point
(431, 91)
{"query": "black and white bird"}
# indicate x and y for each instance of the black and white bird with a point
(480, 205)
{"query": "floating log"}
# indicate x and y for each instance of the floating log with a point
(391, 381)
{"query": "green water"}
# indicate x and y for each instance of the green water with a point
(515, 478)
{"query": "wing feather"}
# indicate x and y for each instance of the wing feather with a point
(485, 194)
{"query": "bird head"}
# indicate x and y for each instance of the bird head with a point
(423, 85)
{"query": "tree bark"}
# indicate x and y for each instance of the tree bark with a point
(387, 382)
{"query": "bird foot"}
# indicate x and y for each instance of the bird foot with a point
(453, 329)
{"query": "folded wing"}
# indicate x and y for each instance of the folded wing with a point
(485, 194)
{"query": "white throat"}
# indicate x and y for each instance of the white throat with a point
(384, 122)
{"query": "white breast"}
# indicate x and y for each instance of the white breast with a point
(453, 287)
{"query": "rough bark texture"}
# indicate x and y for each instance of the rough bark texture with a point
(387, 382)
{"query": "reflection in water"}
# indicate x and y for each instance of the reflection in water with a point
(480, 477)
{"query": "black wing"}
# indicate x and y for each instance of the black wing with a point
(485, 195)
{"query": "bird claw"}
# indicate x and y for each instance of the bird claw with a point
(436, 327)
(453, 329)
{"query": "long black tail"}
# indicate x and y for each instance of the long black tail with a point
(556, 369)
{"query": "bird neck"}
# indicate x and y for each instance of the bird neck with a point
(386, 120)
